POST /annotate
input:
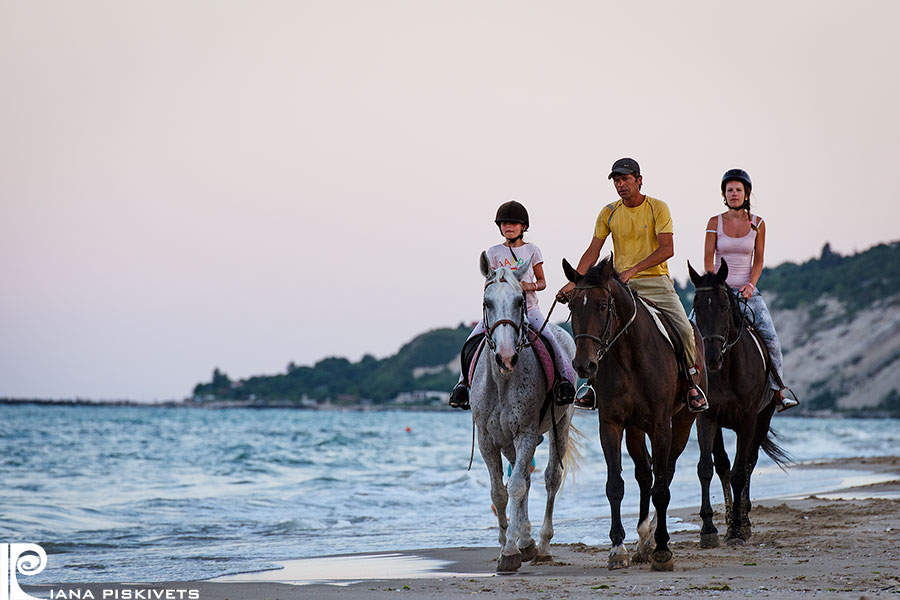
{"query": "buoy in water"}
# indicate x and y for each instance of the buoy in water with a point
(408, 429)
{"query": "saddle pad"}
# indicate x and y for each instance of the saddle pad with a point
(655, 313)
(541, 351)
(755, 335)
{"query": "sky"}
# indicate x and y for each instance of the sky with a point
(199, 184)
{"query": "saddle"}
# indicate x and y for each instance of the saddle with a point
(471, 350)
(668, 331)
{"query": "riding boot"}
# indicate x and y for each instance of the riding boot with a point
(459, 397)
(563, 391)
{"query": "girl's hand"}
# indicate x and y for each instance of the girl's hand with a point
(747, 290)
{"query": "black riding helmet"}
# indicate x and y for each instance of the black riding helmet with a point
(737, 175)
(512, 212)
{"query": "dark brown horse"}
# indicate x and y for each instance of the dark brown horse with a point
(740, 399)
(635, 373)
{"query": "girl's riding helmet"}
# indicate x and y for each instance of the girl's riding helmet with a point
(737, 175)
(512, 212)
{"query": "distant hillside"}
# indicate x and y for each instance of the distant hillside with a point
(838, 318)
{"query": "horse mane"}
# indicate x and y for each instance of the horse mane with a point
(504, 274)
(598, 275)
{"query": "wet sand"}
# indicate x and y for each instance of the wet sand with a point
(840, 544)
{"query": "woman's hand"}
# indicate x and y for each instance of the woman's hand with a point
(747, 290)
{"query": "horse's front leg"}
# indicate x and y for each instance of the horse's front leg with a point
(519, 547)
(661, 444)
(635, 443)
(553, 477)
(739, 477)
(706, 436)
(723, 470)
(611, 442)
(499, 496)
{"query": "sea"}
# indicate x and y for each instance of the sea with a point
(150, 494)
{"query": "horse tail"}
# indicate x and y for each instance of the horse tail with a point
(574, 457)
(774, 451)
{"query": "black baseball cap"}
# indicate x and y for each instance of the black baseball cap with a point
(625, 166)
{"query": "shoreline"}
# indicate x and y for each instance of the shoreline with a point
(843, 543)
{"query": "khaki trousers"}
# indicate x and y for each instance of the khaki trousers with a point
(661, 290)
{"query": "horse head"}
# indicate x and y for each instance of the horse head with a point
(715, 312)
(504, 312)
(593, 313)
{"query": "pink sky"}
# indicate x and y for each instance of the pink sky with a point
(185, 185)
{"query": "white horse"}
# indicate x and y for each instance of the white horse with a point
(507, 395)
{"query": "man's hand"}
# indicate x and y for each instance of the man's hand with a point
(565, 293)
(627, 274)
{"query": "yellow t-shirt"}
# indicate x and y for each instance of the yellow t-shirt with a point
(634, 232)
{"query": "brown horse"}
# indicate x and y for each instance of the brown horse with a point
(740, 400)
(635, 374)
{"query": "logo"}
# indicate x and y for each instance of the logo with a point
(27, 559)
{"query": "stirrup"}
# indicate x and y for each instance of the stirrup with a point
(702, 407)
(586, 397)
(788, 401)
(459, 397)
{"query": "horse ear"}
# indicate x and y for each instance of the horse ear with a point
(722, 273)
(571, 274)
(695, 277)
(521, 269)
(606, 267)
(485, 265)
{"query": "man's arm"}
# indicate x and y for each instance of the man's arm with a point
(665, 251)
(588, 259)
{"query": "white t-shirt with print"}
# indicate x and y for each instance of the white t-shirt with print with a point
(500, 256)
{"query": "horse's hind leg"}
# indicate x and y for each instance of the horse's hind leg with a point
(706, 434)
(723, 470)
(553, 476)
(635, 443)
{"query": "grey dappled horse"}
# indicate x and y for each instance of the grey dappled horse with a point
(507, 393)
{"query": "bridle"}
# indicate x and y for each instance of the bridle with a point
(732, 301)
(519, 328)
(604, 343)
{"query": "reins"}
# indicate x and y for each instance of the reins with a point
(606, 346)
(732, 303)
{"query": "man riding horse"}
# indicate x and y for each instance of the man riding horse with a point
(641, 228)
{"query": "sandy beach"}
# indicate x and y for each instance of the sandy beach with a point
(840, 544)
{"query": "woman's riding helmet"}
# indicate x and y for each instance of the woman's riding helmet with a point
(512, 212)
(737, 175)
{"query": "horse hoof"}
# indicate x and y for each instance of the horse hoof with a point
(528, 552)
(541, 559)
(734, 541)
(662, 561)
(709, 540)
(637, 558)
(509, 564)
(746, 533)
(618, 561)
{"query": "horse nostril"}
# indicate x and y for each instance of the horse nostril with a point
(498, 359)
(514, 360)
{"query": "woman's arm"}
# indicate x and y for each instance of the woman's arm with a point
(759, 251)
(540, 282)
(709, 246)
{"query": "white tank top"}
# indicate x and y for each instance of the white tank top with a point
(737, 252)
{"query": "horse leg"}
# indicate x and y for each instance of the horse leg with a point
(519, 538)
(661, 443)
(635, 442)
(499, 495)
(738, 483)
(723, 470)
(706, 434)
(553, 476)
(611, 442)
(759, 435)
